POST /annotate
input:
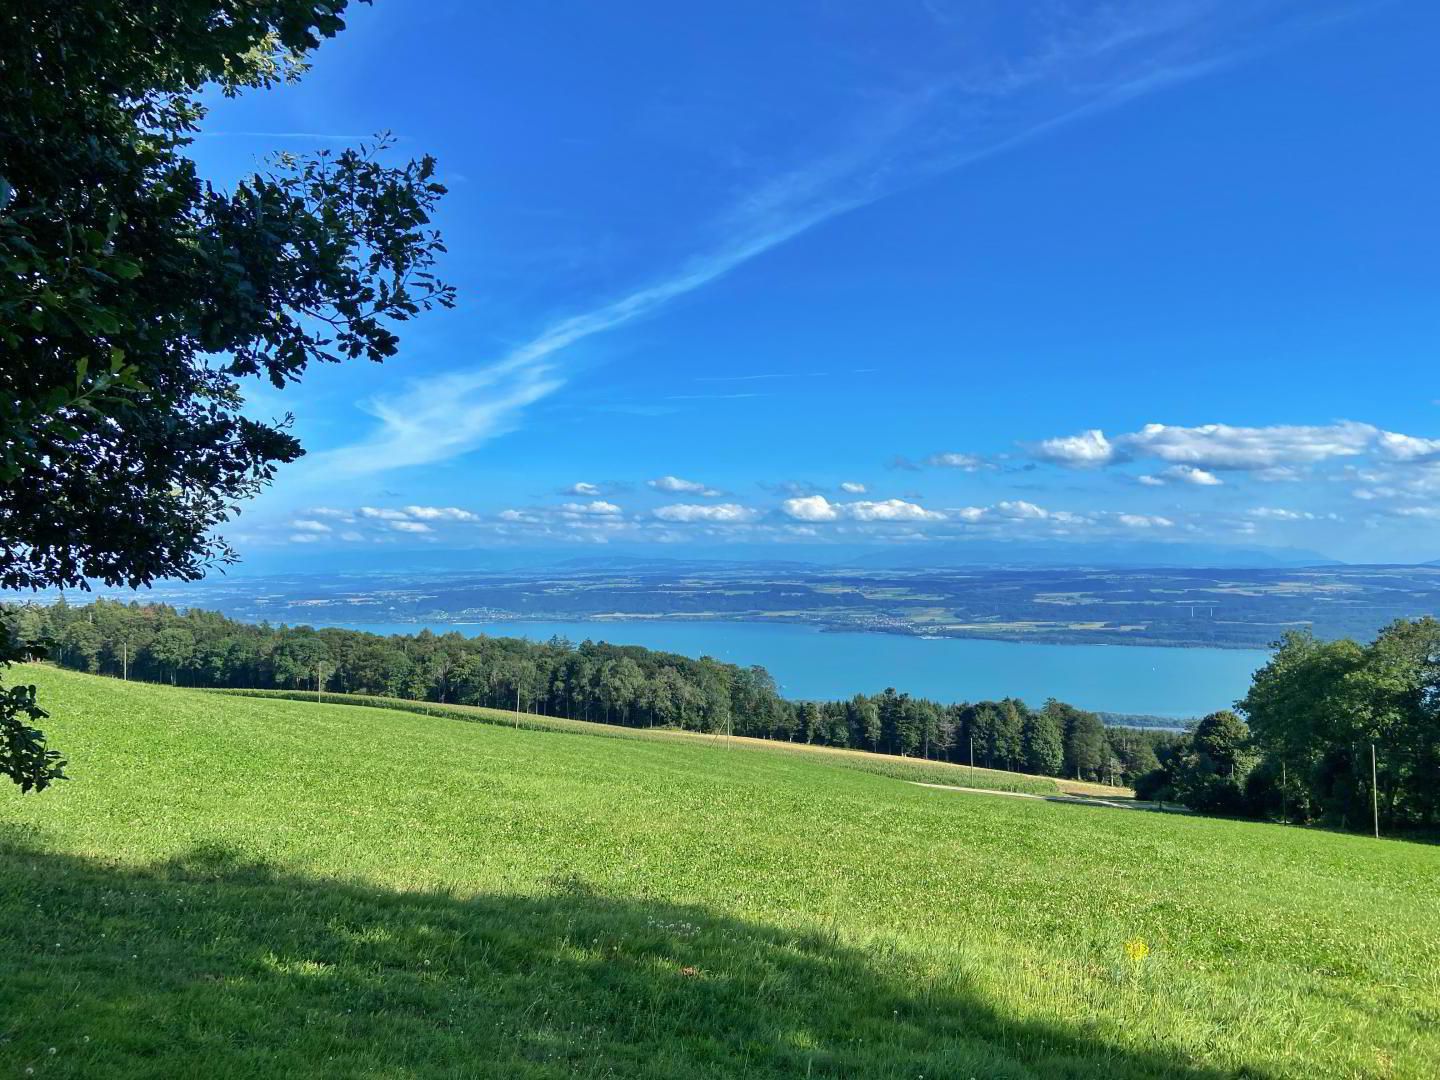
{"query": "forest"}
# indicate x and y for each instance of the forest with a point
(619, 684)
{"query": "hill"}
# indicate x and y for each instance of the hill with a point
(235, 886)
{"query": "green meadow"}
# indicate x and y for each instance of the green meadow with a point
(239, 886)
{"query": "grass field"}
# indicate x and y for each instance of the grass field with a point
(923, 771)
(235, 886)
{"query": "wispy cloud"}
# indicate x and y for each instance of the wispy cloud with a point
(758, 378)
(711, 397)
(1086, 65)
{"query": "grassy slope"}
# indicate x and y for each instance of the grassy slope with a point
(239, 887)
(938, 772)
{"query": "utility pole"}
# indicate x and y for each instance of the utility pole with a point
(1374, 791)
(319, 680)
(1284, 793)
(972, 750)
(125, 660)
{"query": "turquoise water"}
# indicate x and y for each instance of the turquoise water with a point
(810, 664)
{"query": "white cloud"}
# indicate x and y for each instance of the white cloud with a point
(448, 415)
(411, 526)
(723, 513)
(1274, 453)
(891, 510)
(970, 513)
(963, 462)
(304, 538)
(1399, 447)
(1019, 509)
(1084, 451)
(1189, 474)
(517, 515)
(440, 513)
(305, 525)
(819, 508)
(1279, 513)
(852, 487)
(378, 514)
(1144, 521)
(351, 536)
(811, 508)
(582, 488)
(1429, 513)
(598, 508)
(674, 485)
(1222, 446)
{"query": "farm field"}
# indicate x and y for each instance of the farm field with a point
(241, 886)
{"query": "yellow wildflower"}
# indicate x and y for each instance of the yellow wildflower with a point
(1137, 949)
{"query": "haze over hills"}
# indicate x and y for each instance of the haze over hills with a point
(1137, 554)
(1185, 606)
(932, 555)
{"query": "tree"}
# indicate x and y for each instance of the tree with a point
(890, 709)
(1085, 749)
(1209, 773)
(82, 640)
(984, 721)
(172, 649)
(1044, 749)
(627, 685)
(134, 296)
(1318, 708)
(1224, 739)
(1009, 735)
(909, 726)
(810, 722)
(300, 661)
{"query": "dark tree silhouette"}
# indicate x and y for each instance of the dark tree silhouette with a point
(135, 296)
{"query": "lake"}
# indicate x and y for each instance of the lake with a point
(809, 663)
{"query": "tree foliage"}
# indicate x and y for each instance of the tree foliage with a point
(135, 297)
(1317, 709)
(1317, 713)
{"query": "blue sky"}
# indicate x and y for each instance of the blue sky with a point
(779, 276)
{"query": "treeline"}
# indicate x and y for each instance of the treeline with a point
(1338, 733)
(619, 684)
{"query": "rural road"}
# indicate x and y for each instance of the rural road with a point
(1080, 800)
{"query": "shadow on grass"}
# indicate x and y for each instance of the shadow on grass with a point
(212, 965)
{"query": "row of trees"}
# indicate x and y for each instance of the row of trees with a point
(1339, 733)
(591, 681)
